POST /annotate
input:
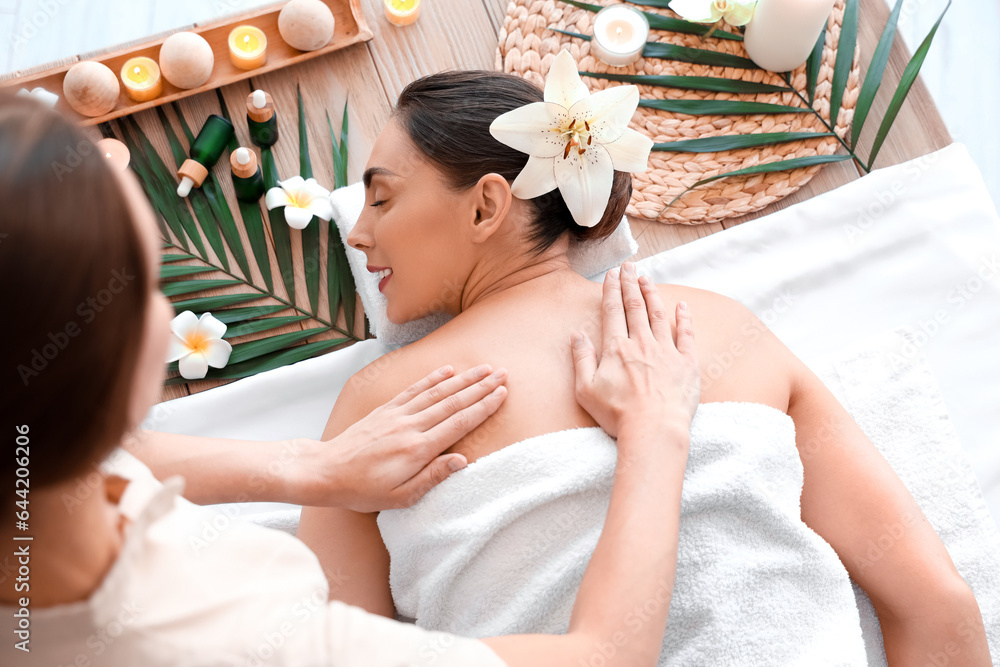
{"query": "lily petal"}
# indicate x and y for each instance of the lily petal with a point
(536, 179)
(185, 325)
(194, 366)
(532, 129)
(630, 152)
(699, 11)
(297, 218)
(211, 327)
(217, 353)
(178, 348)
(740, 13)
(276, 197)
(321, 207)
(563, 85)
(608, 111)
(585, 183)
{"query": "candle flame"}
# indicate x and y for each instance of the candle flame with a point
(618, 32)
(246, 39)
(137, 70)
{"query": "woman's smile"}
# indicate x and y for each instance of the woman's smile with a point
(383, 274)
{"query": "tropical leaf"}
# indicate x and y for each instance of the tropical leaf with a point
(207, 303)
(719, 107)
(267, 362)
(233, 315)
(256, 348)
(873, 77)
(310, 235)
(171, 271)
(188, 286)
(175, 258)
(693, 83)
(279, 227)
(813, 65)
(686, 54)
(910, 73)
(263, 324)
(660, 22)
(780, 165)
(340, 286)
(845, 58)
(736, 141)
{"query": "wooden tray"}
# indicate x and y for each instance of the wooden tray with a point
(350, 28)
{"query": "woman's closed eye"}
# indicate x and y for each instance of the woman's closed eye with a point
(378, 202)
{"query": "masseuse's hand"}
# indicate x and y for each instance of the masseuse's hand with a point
(392, 457)
(642, 373)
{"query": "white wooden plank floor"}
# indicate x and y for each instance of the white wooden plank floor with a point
(960, 70)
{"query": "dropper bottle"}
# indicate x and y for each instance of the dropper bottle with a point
(205, 152)
(247, 177)
(261, 119)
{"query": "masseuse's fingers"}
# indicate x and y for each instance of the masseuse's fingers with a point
(435, 472)
(420, 386)
(584, 361)
(444, 388)
(659, 323)
(614, 312)
(685, 332)
(450, 406)
(458, 425)
(634, 303)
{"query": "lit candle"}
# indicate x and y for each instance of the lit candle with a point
(782, 33)
(141, 77)
(247, 47)
(116, 153)
(402, 12)
(620, 34)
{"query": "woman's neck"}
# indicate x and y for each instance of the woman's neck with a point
(76, 537)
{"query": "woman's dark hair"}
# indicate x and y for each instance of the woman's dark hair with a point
(74, 288)
(448, 117)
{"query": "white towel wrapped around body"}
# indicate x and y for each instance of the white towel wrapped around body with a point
(501, 546)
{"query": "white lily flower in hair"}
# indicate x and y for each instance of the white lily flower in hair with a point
(197, 344)
(302, 199)
(575, 141)
(735, 12)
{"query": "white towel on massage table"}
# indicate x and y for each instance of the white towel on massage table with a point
(501, 546)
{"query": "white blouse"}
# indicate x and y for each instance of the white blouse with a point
(185, 592)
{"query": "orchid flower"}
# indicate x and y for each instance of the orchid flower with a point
(734, 12)
(302, 199)
(197, 344)
(575, 141)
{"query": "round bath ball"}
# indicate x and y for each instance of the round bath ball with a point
(306, 25)
(186, 60)
(91, 88)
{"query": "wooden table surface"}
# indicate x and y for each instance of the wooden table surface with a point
(463, 34)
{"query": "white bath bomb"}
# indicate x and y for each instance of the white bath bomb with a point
(306, 25)
(186, 60)
(91, 88)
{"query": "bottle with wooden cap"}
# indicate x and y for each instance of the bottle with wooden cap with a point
(262, 121)
(247, 179)
(205, 152)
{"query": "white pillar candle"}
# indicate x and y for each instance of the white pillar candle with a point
(782, 33)
(620, 34)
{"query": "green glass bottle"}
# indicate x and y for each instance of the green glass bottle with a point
(205, 152)
(261, 119)
(247, 178)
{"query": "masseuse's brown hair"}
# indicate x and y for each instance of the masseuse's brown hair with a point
(74, 287)
(448, 117)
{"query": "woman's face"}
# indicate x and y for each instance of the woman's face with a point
(414, 230)
(150, 366)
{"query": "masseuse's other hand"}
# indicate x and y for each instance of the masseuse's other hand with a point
(392, 457)
(642, 373)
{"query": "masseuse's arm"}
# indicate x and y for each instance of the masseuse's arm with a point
(388, 459)
(646, 390)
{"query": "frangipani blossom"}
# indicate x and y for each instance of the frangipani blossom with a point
(302, 200)
(735, 12)
(197, 344)
(575, 141)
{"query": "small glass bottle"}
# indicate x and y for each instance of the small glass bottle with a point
(261, 119)
(247, 178)
(205, 152)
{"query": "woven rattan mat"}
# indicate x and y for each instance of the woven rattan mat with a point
(527, 47)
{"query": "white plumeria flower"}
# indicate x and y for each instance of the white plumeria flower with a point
(197, 344)
(302, 199)
(735, 12)
(575, 141)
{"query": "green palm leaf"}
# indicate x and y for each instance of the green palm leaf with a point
(719, 107)
(906, 81)
(813, 64)
(873, 78)
(780, 165)
(340, 286)
(310, 235)
(178, 271)
(166, 259)
(279, 228)
(736, 141)
(188, 286)
(256, 348)
(660, 22)
(267, 362)
(845, 58)
(207, 303)
(685, 54)
(693, 83)
(264, 324)
(233, 315)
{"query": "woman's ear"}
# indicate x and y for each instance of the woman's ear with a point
(493, 200)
